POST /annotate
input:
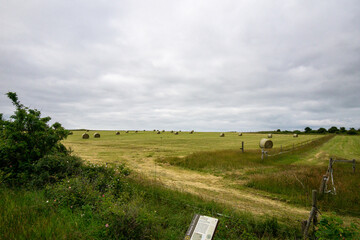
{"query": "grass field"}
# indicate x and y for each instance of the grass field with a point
(220, 172)
(127, 146)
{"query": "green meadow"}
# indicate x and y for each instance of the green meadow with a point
(168, 178)
(293, 168)
(144, 144)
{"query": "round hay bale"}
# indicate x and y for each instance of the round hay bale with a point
(240, 134)
(136, 131)
(158, 132)
(71, 133)
(117, 133)
(127, 131)
(265, 143)
(222, 134)
(295, 135)
(176, 133)
(85, 136)
(192, 131)
(96, 135)
(172, 131)
(269, 135)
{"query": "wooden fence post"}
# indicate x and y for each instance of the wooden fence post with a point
(242, 146)
(330, 165)
(353, 165)
(322, 185)
(313, 214)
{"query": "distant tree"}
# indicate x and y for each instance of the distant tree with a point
(333, 129)
(308, 130)
(352, 131)
(297, 131)
(343, 130)
(321, 130)
(278, 130)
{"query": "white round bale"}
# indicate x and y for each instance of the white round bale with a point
(265, 143)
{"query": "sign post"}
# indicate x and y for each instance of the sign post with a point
(201, 228)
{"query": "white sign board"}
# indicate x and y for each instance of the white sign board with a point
(201, 228)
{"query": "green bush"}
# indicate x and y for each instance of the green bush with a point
(25, 139)
(55, 167)
(90, 186)
(332, 228)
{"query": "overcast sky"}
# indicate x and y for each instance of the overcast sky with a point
(192, 64)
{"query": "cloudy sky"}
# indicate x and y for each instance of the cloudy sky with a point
(208, 65)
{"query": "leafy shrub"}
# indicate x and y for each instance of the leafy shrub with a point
(90, 186)
(331, 228)
(25, 139)
(55, 167)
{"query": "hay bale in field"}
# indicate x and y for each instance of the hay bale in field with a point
(295, 135)
(158, 132)
(192, 131)
(136, 131)
(240, 134)
(127, 131)
(96, 135)
(85, 136)
(71, 133)
(176, 133)
(265, 143)
(154, 130)
(172, 131)
(117, 133)
(269, 135)
(222, 134)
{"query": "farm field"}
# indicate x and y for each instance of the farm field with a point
(278, 186)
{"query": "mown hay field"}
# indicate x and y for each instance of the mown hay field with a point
(112, 148)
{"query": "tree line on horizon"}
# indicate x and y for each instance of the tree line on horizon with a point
(322, 130)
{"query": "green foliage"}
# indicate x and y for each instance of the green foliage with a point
(308, 130)
(352, 131)
(53, 168)
(332, 228)
(321, 130)
(25, 139)
(333, 129)
(89, 187)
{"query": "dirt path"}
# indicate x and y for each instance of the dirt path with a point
(218, 189)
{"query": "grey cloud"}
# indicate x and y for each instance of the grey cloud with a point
(218, 65)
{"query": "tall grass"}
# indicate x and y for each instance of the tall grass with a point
(296, 184)
(27, 215)
(151, 212)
